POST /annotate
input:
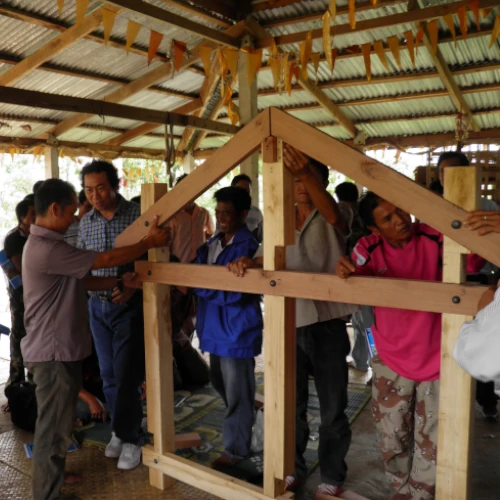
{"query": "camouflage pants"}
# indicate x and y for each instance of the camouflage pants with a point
(17, 333)
(406, 417)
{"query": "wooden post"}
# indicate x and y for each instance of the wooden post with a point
(159, 354)
(456, 407)
(51, 163)
(279, 327)
(188, 163)
(248, 111)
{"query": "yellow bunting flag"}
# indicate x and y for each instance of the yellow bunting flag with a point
(275, 64)
(155, 39)
(222, 62)
(462, 16)
(60, 6)
(254, 62)
(81, 10)
(232, 60)
(132, 31)
(335, 53)
(274, 48)
(433, 34)
(419, 37)
(108, 19)
(227, 93)
(179, 51)
(393, 43)
(327, 38)
(287, 80)
(366, 49)
(232, 112)
(316, 58)
(332, 9)
(305, 53)
(474, 6)
(352, 14)
(284, 68)
(411, 47)
(380, 51)
(451, 26)
(496, 31)
(205, 55)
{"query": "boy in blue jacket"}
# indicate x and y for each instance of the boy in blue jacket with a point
(229, 325)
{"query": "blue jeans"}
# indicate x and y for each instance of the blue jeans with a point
(234, 380)
(118, 332)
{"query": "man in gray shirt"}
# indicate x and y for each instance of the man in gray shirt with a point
(56, 279)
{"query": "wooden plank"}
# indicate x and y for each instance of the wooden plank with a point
(380, 22)
(279, 324)
(201, 13)
(414, 295)
(51, 162)
(187, 440)
(159, 352)
(226, 158)
(384, 181)
(201, 477)
(326, 103)
(95, 107)
(159, 14)
(456, 408)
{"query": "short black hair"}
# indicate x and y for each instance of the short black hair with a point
(237, 196)
(181, 178)
(22, 208)
(347, 191)
(239, 178)
(322, 168)
(368, 203)
(463, 161)
(37, 185)
(437, 187)
(99, 166)
(81, 197)
(54, 191)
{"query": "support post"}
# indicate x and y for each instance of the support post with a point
(279, 325)
(51, 163)
(456, 408)
(188, 162)
(248, 111)
(159, 354)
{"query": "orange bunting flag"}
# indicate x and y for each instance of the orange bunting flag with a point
(274, 48)
(496, 31)
(275, 64)
(327, 37)
(254, 62)
(287, 80)
(374, 2)
(205, 56)
(335, 53)
(433, 34)
(232, 61)
(155, 39)
(393, 43)
(284, 67)
(352, 14)
(232, 113)
(380, 51)
(485, 12)
(227, 92)
(60, 6)
(419, 37)
(411, 47)
(179, 51)
(474, 6)
(451, 26)
(305, 53)
(222, 62)
(132, 32)
(316, 58)
(462, 16)
(332, 9)
(108, 19)
(81, 10)
(366, 49)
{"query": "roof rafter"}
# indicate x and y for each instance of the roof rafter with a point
(201, 13)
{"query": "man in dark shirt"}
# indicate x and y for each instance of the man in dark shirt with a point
(13, 247)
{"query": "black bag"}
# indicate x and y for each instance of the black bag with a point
(22, 404)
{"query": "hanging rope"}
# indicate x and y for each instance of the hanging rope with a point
(169, 148)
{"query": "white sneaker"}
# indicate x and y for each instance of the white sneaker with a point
(114, 448)
(130, 457)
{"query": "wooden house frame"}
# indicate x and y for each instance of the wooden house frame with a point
(268, 131)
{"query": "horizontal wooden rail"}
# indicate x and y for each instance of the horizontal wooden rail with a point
(384, 292)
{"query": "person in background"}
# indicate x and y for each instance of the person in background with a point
(14, 246)
(56, 277)
(436, 187)
(71, 236)
(37, 185)
(254, 219)
(229, 325)
(116, 316)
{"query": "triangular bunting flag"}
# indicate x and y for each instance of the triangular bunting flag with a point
(284, 68)
(451, 26)
(305, 53)
(433, 34)
(274, 48)
(60, 6)
(352, 14)
(380, 51)
(474, 6)
(287, 76)
(254, 62)
(335, 53)
(316, 58)
(227, 92)
(496, 31)
(419, 37)
(222, 62)
(327, 38)
(485, 12)
(366, 49)
(411, 47)
(332, 8)
(108, 19)
(155, 39)
(232, 113)
(205, 56)
(374, 2)
(81, 10)
(275, 64)
(393, 43)
(232, 61)
(132, 32)
(179, 49)
(462, 16)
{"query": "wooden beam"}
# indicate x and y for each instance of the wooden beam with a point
(381, 292)
(225, 159)
(272, 4)
(159, 14)
(380, 22)
(326, 103)
(386, 182)
(201, 13)
(226, 8)
(51, 162)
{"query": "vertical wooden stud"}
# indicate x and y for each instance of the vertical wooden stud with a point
(51, 162)
(456, 408)
(159, 354)
(279, 324)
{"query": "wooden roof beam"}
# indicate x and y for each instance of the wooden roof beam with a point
(192, 9)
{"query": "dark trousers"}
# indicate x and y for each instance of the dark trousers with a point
(118, 332)
(485, 395)
(57, 387)
(234, 380)
(321, 351)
